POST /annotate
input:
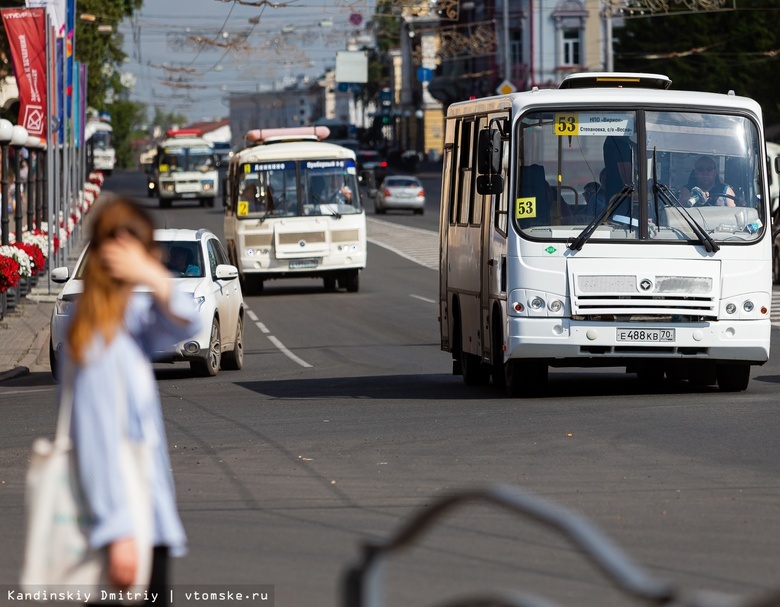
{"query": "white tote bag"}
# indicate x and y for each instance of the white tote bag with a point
(58, 557)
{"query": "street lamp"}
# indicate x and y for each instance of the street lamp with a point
(6, 133)
(33, 145)
(18, 140)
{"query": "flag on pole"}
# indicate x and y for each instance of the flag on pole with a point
(26, 30)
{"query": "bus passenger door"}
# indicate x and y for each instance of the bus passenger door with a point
(445, 205)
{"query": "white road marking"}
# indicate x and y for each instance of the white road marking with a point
(287, 353)
(252, 315)
(422, 298)
(262, 327)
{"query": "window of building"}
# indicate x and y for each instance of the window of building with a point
(571, 47)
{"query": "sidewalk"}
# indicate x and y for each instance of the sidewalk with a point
(24, 332)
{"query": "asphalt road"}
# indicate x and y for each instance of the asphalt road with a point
(283, 468)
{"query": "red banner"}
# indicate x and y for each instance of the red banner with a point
(26, 29)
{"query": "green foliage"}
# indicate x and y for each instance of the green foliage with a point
(714, 51)
(387, 25)
(167, 120)
(125, 117)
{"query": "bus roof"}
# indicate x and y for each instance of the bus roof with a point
(603, 97)
(292, 150)
(615, 80)
(302, 133)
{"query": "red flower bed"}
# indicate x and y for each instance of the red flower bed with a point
(35, 254)
(9, 273)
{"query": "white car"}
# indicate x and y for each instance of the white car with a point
(400, 192)
(206, 274)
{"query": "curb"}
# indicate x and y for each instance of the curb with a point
(14, 373)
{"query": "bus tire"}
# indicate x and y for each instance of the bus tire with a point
(252, 285)
(329, 283)
(474, 372)
(165, 203)
(352, 281)
(525, 378)
(497, 348)
(733, 378)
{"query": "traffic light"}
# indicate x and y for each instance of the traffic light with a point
(385, 119)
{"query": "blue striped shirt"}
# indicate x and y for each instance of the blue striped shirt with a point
(124, 364)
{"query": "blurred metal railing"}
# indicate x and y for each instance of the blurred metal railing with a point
(363, 584)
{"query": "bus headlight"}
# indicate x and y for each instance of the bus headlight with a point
(537, 303)
(556, 305)
(168, 187)
(748, 306)
(731, 308)
(207, 185)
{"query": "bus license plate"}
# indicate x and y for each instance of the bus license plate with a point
(299, 264)
(645, 335)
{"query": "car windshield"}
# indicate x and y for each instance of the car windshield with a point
(690, 176)
(182, 257)
(272, 189)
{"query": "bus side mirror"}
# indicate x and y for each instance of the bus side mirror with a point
(489, 152)
(490, 184)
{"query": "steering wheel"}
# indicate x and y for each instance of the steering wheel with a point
(712, 201)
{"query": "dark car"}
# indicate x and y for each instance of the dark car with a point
(371, 167)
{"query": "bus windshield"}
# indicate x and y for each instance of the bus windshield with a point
(325, 188)
(176, 159)
(690, 175)
(101, 140)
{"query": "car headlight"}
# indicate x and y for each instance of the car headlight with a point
(200, 300)
(63, 307)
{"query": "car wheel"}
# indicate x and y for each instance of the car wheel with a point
(53, 362)
(234, 360)
(420, 211)
(209, 366)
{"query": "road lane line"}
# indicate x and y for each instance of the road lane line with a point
(287, 353)
(422, 298)
(253, 317)
(262, 327)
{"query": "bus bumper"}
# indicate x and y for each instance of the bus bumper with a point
(597, 343)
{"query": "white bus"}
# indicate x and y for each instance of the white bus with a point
(292, 209)
(186, 168)
(99, 137)
(657, 274)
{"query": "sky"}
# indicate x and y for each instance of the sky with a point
(186, 56)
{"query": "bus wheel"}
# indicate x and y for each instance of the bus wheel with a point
(497, 347)
(525, 378)
(329, 282)
(733, 378)
(165, 203)
(474, 372)
(352, 281)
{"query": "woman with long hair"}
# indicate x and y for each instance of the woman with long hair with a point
(107, 360)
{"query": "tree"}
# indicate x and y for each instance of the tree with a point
(126, 115)
(714, 51)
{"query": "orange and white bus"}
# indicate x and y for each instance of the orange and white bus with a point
(293, 210)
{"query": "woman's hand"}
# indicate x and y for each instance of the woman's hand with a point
(127, 260)
(122, 562)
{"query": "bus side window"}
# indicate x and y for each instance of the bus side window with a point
(464, 172)
(475, 212)
(501, 212)
(452, 173)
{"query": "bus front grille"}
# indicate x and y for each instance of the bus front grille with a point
(293, 238)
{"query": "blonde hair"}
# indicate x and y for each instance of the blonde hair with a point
(101, 307)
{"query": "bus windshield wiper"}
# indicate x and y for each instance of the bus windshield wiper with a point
(585, 235)
(670, 200)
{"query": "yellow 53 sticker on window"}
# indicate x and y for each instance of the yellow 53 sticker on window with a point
(243, 208)
(567, 124)
(526, 208)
